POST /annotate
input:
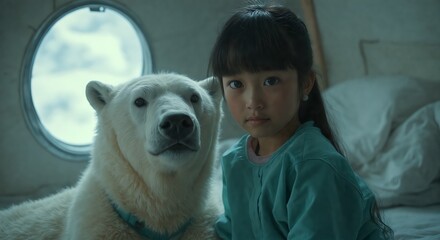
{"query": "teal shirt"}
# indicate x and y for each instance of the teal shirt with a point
(306, 190)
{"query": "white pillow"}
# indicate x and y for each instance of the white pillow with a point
(407, 170)
(364, 111)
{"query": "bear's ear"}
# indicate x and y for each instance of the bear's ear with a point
(98, 94)
(212, 86)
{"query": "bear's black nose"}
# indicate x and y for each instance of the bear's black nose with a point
(176, 126)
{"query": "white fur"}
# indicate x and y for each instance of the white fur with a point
(164, 190)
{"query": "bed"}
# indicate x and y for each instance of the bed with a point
(389, 127)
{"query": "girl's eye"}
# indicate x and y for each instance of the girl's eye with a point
(235, 84)
(271, 81)
(140, 102)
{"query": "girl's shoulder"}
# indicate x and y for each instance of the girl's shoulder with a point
(235, 146)
(311, 150)
(236, 151)
(309, 143)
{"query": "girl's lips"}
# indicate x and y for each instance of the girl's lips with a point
(256, 120)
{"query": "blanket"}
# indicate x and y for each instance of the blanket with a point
(389, 129)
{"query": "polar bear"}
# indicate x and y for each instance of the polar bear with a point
(150, 172)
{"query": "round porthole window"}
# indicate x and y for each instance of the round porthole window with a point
(79, 43)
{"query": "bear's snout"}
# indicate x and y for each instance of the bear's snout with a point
(176, 126)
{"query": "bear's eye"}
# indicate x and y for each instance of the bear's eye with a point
(195, 98)
(140, 102)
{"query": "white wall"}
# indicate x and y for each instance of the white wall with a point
(405, 34)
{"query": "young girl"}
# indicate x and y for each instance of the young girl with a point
(287, 179)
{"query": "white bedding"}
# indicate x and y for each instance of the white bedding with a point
(421, 223)
(390, 130)
(389, 127)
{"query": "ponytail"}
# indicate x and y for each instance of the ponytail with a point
(313, 110)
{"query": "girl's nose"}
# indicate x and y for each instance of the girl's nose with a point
(254, 100)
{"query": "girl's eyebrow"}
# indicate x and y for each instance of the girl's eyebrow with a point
(231, 78)
(231, 75)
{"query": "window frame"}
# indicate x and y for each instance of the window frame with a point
(57, 147)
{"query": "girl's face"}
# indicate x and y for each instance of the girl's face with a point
(265, 104)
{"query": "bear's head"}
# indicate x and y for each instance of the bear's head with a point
(159, 122)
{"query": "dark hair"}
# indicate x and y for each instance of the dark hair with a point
(271, 37)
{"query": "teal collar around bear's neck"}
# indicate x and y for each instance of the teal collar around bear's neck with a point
(143, 230)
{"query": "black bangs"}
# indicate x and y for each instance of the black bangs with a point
(252, 42)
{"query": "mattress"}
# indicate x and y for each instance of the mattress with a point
(414, 222)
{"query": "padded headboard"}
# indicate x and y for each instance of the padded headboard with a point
(372, 38)
(415, 59)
